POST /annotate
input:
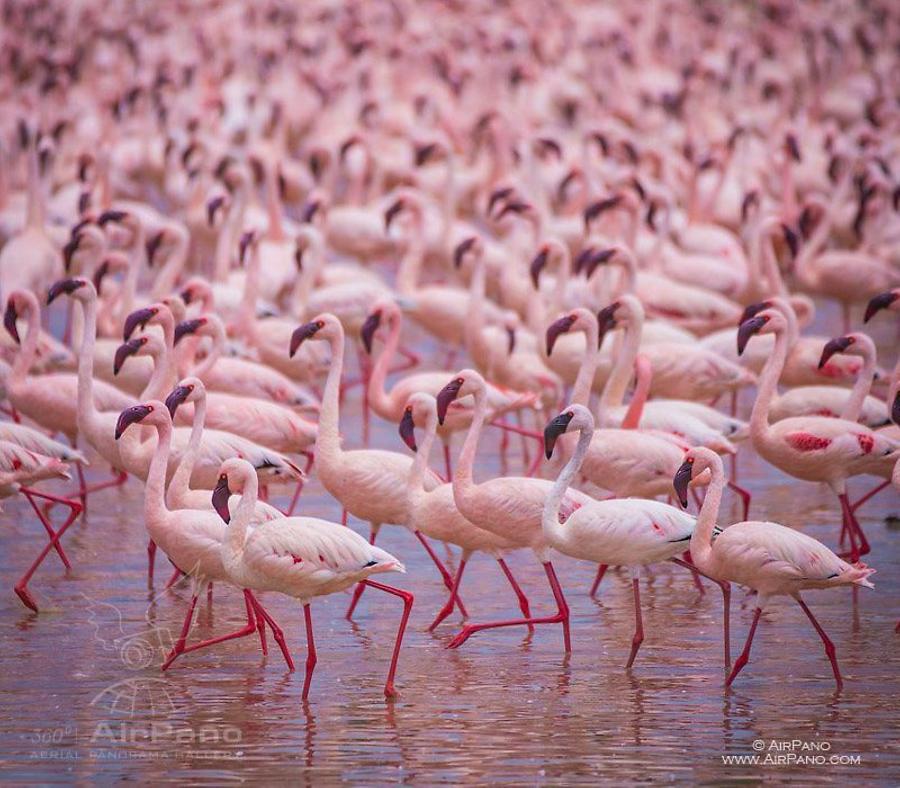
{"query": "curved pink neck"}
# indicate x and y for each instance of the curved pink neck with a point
(644, 373)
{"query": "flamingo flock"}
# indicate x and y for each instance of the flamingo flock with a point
(589, 238)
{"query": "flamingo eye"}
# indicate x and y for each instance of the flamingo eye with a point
(690, 460)
(409, 408)
(191, 387)
(223, 478)
(320, 323)
(149, 409)
(460, 381)
(143, 340)
(570, 414)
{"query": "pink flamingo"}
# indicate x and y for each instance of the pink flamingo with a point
(191, 538)
(302, 557)
(508, 506)
(768, 557)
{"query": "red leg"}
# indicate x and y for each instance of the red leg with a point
(743, 494)
(638, 623)
(54, 537)
(360, 587)
(726, 603)
(177, 574)
(520, 595)
(311, 657)
(412, 360)
(447, 464)
(847, 522)
(745, 654)
(248, 629)
(447, 609)
(873, 492)
(185, 628)
(829, 646)
(560, 617)
(408, 599)
(695, 573)
(447, 577)
(277, 632)
(310, 459)
(21, 587)
(601, 570)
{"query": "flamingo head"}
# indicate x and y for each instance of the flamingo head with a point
(750, 328)
(598, 208)
(248, 240)
(369, 328)
(791, 239)
(67, 287)
(10, 316)
(233, 476)
(574, 417)
(607, 320)
(139, 319)
(836, 345)
(538, 264)
(881, 301)
(590, 258)
(130, 348)
(895, 409)
(190, 389)
(321, 327)
(466, 382)
(393, 210)
(213, 206)
(187, 327)
(420, 411)
(694, 468)
(134, 415)
(559, 326)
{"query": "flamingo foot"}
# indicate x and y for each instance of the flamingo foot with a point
(27, 599)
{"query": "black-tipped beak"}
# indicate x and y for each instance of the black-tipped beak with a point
(537, 265)
(895, 409)
(606, 321)
(245, 241)
(790, 238)
(125, 350)
(748, 329)
(837, 345)
(879, 302)
(69, 250)
(753, 310)
(597, 258)
(461, 250)
(140, 317)
(110, 216)
(510, 340)
(681, 481)
(557, 327)
(407, 429)
(220, 497)
(67, 286)
(367, 333)
(303, 333)
(309, 211)
(9, 320)
(130, 416)
(177, 397)
(391, 213)
(555, 427)
(445, 396)
(186, 327)
(100, 275)
(153, 244)
(212, 208)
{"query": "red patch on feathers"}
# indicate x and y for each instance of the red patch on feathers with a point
(16, 463)
(866, 442)
(297, 559)
(805, 441)
(567, 508)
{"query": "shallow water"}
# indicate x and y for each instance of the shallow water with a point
(83, 697)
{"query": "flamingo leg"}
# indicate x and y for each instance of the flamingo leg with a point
(744, 494)
(311, 657)
(21, 587)
(248, 629)
(829, 646)
(745, 654)
(638, 622)
(601, 570)
(408, 599)
(277, 632)
(688, 562)
(520, 594)
(151, 561)
(185, 628)
(412, 360)
(726, 603)
(451, 603)
(177, 574)
(310, 459)
(560, 617)
(449, 582)
(30, 495)
(119, 478)
(852, 528)
(873, 492)
(361, 586)
(447, 464)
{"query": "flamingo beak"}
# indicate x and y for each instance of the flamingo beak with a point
(9, 320)
(186, 327)
(100, 275)
(555, 427)
(879, 302)
(391, 213)
(220, 497)
(153, 245)
(245, 241)
(537, 265)
(130, 416)
(556, 328)
(140, 317)
(511, 340)
(681, 482)
(367, 333)
(212, 208)
(753, 310)
(177, 397)
(838, 345)
(407, 429)
(895, 409)
(461, 249)
(69, 250)
(790, 238)
(125, 350)
(301, 334)
(67, 286)
(309, 211)
(445, 396)
(606, 321)
(110, 216)
(596, 259)
(748, 329)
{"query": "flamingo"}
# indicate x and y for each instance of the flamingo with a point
(302, 557)
(191, 538)
(813, 448)
(768, 557)
(434, 513)
(887, 300)
(508, 506)
(629, 532)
